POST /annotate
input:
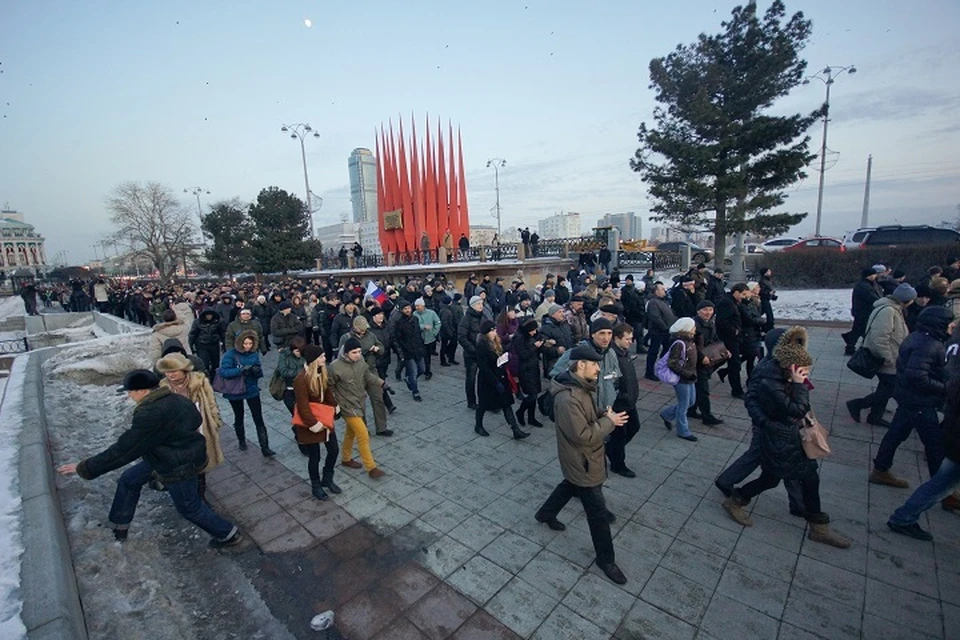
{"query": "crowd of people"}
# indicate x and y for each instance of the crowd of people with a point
(565, 350)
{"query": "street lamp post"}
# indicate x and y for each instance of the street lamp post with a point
(827, 76)
(301, 131)
(497, 164)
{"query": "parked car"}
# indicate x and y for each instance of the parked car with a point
(779, 244)
(853, 239)
(816, 244)
(697, 253)
(896, 235)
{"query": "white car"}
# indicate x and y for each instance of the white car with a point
(779, 244)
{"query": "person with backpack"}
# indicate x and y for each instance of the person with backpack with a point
(681, 360)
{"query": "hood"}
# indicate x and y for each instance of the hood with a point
(243, 335)
(205, 316)
(171, 345)
(165, 327)
(886, 301)
(935, 320)
(772, 338)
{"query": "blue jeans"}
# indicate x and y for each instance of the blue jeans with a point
(686, 397)
(185, 498)
(906, 419)
(929, 493)
(414, 368)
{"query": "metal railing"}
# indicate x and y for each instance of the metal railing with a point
(18, 345)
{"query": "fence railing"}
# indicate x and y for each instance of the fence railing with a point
(18, 345)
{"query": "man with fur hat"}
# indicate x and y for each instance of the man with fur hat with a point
(777, 400)
(165, 434)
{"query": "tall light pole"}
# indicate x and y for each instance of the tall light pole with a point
(301, 131)
(827, 76)
(497, 164)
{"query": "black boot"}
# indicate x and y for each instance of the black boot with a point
(241, 436)
(532, 416)
(327, 481)
(317, 490)
(722, 374)
(518, 434)
(520, 417)
(478, 425)
(264, 442)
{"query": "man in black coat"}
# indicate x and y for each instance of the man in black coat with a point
(165, 434)
(865, 293)
(467, 332)
(716, 286)
(206, 339)
(706, 335)
(633, 311)
(659, 319)
(684, 298)
(921, 389)
(729, 327)
(628, 392)
(408, 338)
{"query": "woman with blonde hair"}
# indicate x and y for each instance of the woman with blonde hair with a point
(309, 389)
(180, 378)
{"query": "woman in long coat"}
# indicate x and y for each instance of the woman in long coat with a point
(179, 377)
(493, 388)
(310, 385)
(524, 363)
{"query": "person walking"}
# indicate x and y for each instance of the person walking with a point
(165, 435)
(448, 332)
(767, 295)
(179, 377)
(886, 330)
(581, 432)
(705, 337)
(206, 340)
(289, 365)
(408, 338)
(311, 387)
(660, 318)
(628, 392)
(729, 323)
(751, 335)
(493, 388)
(777, 400)
(350, 379)
(920, 390)
(171, 327)
(371, 348)
(467, 333)
(243, 361)
(430, 326)
(682, 360)
(285, 325)
(244, 322)
(865, 293)
(524, 364)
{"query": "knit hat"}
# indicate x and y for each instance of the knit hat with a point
(600, 324)
(904, 293)
(923, 291)
(704, 304)
(247, 311)
(791, 348)
(261, 299)
(753, 284)
(285, 305)
(549, 293)
(139, 380)
(528, 325)
(351, 345)
(585, 352)
(683, 325)
(879, 268)
(174, 362)
(486, 326)
(311, 352)
(403, 304)
(360, 323)
(552, 309)
(475, 299)
(419, 302)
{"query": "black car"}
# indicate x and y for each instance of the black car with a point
(895, 235)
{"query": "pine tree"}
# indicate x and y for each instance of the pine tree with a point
(231, 232)
(715, 158)
(280, 233)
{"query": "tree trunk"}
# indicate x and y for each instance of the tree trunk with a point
(720, 234)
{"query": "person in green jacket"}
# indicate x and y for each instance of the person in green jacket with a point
(430, 329)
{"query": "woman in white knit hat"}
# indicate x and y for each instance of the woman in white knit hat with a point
(682, 360)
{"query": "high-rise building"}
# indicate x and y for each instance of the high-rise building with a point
(363, 185)
(628, 223)
(562, 225)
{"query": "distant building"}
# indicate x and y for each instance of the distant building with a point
(368, 235)
(628, 223)
(562, 225)
(363, 185)
(22, 247)
(333, 236)
(481, 235)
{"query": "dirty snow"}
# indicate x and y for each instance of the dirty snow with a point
(829, 305)
(164, 582)
(11, 306)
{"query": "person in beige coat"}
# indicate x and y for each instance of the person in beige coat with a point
(179, 377)
(886, 330)
(171, 327)
(581, 431)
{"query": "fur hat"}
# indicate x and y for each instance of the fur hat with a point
(174, 362)
(360, 323)
(791, 348)
(139, 380)
(311, 352)
(683, 325)
(528, 325)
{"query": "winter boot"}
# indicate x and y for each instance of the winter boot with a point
(854, 408)
(822, 533)
(518, 434)
(317, 490)
(734, 506)
(887, 478)
(532, 416)
(478, 425)
(327, 482)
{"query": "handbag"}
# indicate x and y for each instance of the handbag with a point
(277, 386)
(324, 413)
(813, 437)
(662, 367)
(864, 363)
(717, 352)
(229, 386)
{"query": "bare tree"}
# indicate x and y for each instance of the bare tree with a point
(152, 222)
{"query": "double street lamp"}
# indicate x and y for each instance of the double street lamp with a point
(497, 164)
(301, 131)
(827, 75)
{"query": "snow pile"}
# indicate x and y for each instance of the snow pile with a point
(11, 420)
(11, 306)
(826, 305)
(102, 361)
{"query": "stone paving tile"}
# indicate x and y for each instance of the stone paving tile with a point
(482, 626)
(602, 600)
(565, 624)
(521, 607)
(479, 579)
(676, 595)
(646, 622)
(702, 567)
(511, 551)
(790, 632)
(727, 618)
(400, 629)
(905, 608)
(813, 612)
(754, 589)
(365, 615)
(476, 532)
(444, 556)
(440, 612)
(882, 629)
(551, 573)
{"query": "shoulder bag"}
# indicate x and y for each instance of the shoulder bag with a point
(662, 367)
(864, 362)
(813, 437)
(229, 386)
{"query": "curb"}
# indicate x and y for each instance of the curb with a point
(51, 601)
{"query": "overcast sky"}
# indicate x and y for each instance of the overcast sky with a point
(185, 93)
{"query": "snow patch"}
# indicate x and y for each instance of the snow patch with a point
(101, 361)
(11, 307)
(826, 305)
(11, 507)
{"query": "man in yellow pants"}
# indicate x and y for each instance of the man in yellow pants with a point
(349, 377)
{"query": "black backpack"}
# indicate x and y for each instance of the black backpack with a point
(545, 404)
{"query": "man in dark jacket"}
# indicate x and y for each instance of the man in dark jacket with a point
(633, 311)
(628, 392)
(558, 335)
(496, 297)
(684, 298)
(865, 293)
(659, 320)
(285, 326)
(409, 340)
(448, 332)
(706, 336)
(165, 434)
(206, 339)
(342, 323)
(325, 314)
(729, 328)
(716, 286)
(467, 332)
(921, 389)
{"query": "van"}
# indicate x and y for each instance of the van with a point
(897, 235)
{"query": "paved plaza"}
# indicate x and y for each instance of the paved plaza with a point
(446, 544)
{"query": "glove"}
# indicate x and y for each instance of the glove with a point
(317, 428)
(255, 370)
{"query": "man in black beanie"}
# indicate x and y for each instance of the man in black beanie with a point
(165, 434)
